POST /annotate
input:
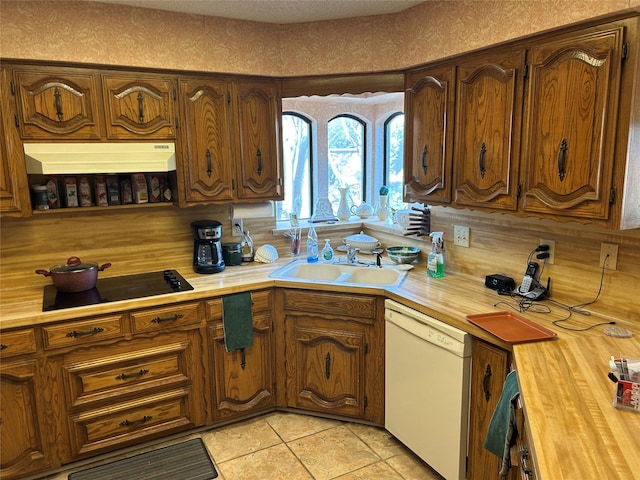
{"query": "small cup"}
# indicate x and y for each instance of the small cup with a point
(295, 244)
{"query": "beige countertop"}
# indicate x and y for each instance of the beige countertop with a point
(575, 431)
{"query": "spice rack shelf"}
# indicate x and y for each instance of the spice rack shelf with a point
(110, 208)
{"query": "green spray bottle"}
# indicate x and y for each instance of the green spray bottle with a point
(435, 260)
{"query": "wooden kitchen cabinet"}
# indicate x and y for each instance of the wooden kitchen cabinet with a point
(124, 378)
(231, 140)
(570, 127)
(429, 108)
(333, 347)
(208, 170)
(258, 109)
(23, 443)
(242, 381)
(140, 106)
(57, 104)
(14, 187)
(119, 395)
(487, 141)
(543, 127)
(489, 368)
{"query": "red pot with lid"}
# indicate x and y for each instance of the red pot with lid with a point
(74, 276)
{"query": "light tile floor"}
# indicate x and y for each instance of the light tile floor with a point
(289, 446)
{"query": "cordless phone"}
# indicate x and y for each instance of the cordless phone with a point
(530, 287)
(529, 278)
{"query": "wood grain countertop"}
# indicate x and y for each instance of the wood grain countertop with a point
(575, 430)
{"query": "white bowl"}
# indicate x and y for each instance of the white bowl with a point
(361, 240)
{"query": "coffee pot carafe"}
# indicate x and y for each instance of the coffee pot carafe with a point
(207, 251)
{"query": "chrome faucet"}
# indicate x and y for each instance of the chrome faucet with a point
(351, 254)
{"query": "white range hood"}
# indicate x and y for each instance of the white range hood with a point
(74, 158)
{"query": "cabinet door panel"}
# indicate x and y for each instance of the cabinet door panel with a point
(208, 169)
(325, 373)
(56, 105)
(139, 107)
(429, 110)
(488, 372)
(14, 187)
(570, 125)
(22, 449)
(258, 113)
(488, 116)
(243, 381)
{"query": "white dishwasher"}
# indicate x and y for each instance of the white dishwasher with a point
(427, 379)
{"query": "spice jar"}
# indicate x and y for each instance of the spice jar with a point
(40, 197)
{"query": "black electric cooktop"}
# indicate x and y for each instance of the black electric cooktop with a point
(114, 289)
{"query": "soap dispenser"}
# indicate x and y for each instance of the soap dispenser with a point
(327, 252)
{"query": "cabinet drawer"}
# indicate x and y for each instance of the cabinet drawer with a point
(17, 342)
(166, 317)
(331, 303)
(260, 301)
(129, 373)
(129, 423)
(82, 332)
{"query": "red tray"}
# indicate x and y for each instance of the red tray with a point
(511, 327)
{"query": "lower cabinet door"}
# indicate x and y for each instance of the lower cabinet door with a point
(325, 366)
(489, 366)
(22, 446)
(243, 380)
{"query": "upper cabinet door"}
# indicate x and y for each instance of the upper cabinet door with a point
(207, 163)
(429, 120)
(488, 119)
(140, 107)
(258, 109)
(56, 104)
(14, 188)
(570, 127)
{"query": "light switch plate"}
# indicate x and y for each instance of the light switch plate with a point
(461, 236)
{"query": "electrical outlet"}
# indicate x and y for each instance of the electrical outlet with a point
(551, 251)
(610, 249)
(461, 236)
(237, 227)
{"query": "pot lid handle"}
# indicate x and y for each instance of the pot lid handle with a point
(73, 261)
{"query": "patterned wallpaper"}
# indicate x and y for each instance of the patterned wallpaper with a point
(91, 32)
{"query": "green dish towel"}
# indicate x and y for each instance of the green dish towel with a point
(496, 440)
(237, 321)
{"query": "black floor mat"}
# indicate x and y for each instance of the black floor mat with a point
(183, 461)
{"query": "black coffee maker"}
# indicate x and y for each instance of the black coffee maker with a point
(207, 252)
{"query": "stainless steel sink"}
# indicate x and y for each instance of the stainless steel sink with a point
(340, 274)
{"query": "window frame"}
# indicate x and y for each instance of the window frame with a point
(386, 146)
(364, 124)
(309, 121)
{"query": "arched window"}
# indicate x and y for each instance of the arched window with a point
(394, 158)
(346, 140)
(297, 159)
